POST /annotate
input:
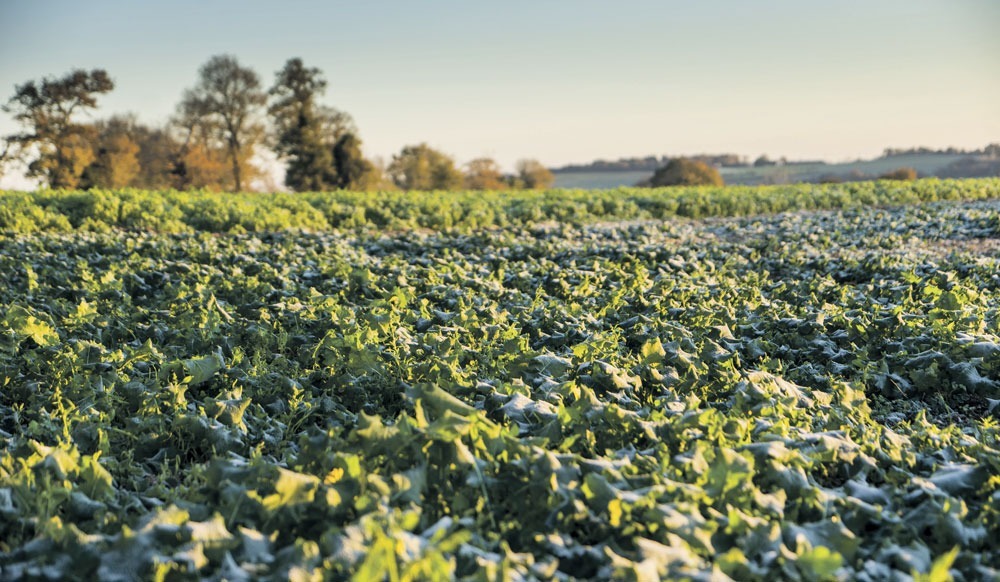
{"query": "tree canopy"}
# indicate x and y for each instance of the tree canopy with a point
(904, 174)
(484, 174)
(319, 144)
(226, 102)
(421, 167)
(533, 175)
(47, 110)
(299, 136)
(685, 172)
(116, 155)
(219, 126)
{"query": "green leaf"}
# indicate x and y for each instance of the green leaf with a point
(26, 325)
(195, 371)
(941, 568)
(652, 351)
(819, 563)
(437, 400)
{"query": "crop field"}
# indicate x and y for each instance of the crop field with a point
(793, 383)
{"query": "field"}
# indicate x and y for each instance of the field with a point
(777, 383)
(597, 180)
(924, 164)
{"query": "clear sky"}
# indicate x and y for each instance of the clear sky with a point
(560, 80)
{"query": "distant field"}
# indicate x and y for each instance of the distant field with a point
(925, 164)
(598, 180)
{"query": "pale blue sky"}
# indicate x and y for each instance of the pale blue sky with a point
(560, 80)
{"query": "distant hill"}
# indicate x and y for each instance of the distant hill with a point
(950, 163)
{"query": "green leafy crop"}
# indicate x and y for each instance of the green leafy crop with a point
(590, 392)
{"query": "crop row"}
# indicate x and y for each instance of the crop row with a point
(170, 211)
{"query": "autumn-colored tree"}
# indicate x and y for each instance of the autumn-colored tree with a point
(200, 168)
(685, 172)
(73, 154)
(226, 102)
(116, 155)
(420, 167)
(531, 174)
(129, 153)
(61, 146)
(158, 156)
(906, 174)
(201, 160)
(484, 174)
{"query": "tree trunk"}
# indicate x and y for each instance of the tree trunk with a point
(234, 154)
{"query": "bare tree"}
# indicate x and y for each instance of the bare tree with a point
(224, 107)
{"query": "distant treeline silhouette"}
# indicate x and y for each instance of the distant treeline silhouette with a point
(991, 150)
(653, 163)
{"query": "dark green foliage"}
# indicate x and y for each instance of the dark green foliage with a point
(353, 171)
(299, 133)
(318, 143)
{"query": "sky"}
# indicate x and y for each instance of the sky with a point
(561, 81)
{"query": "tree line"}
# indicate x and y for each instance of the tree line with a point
(219, 125)
(991, 150)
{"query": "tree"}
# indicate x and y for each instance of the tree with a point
(376, 179)
(6, 156)
(200, 160)
(116, 155)
(763, 161)
(317, 142)
(226, 101)
(685, 172)
(158, 156)
(354, 172)
(533, 175)
(420, 167)
(46, 109)
(298, 130)
(200, 168)
(906, 174)
(484, 174)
